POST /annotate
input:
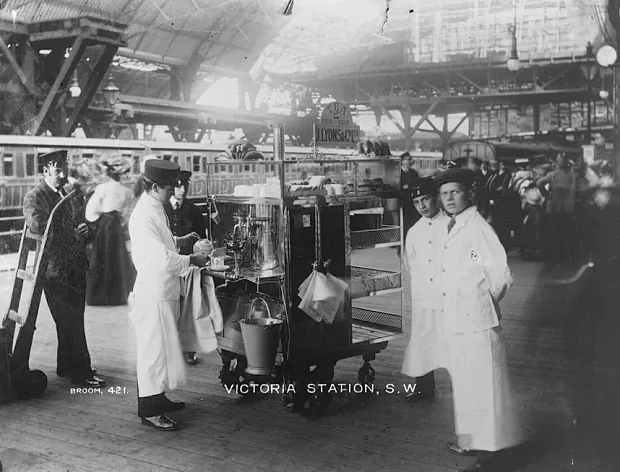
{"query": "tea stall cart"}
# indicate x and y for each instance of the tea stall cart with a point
(275, 233)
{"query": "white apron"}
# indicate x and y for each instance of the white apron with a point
(160, 362)
(427, 349)
(156, 299)
(485, 417)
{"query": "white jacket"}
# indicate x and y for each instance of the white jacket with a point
(474, 276)
(154, 252)
(424, 255)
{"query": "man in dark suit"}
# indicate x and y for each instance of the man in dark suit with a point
(65, 278)
(407, 175)
(185, 218)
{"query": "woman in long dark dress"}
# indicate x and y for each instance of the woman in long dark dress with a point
(111, 273)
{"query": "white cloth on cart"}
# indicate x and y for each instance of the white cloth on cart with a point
(201, 314)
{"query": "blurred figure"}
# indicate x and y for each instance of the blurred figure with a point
(561, 208)
(138, 186)
(111, 273)
(498, 187)
(407, 174)
(482, 200)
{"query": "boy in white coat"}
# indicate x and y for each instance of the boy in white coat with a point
(156, 304)
(474, 278)
(426, 350)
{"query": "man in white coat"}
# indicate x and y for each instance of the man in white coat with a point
(426, 350)
(156, 304)
(475, 277)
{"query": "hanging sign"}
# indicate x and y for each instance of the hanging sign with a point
(336, 127)
(588, 153)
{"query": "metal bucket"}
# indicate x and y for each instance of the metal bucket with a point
(261, 337)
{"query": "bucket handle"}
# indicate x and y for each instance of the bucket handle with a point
(264, 303)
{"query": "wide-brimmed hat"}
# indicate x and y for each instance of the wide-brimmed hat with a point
(117, 166)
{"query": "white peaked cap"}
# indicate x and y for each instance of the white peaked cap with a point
(146, 157)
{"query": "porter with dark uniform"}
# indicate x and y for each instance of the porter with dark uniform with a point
(65, 275)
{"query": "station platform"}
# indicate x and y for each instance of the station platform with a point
(563, 360)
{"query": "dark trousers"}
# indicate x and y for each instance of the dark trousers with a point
(426, 384)
(560, 236)
(67, 304)
(155, 405)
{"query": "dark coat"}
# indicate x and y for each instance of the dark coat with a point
(186, 219)
(68, 260)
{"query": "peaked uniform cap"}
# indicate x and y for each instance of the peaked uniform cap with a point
(54, 157)
(422, 186)
(458, 175)
(161, 171)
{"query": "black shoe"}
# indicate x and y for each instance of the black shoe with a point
(190, 358)
(418, 396)
(173, 406)
(92, 382)
(162, 423)
(455, 449)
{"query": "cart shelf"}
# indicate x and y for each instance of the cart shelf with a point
(366, 282)
(386, 236)
(370, 326)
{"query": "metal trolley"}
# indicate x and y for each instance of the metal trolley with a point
(274, 243)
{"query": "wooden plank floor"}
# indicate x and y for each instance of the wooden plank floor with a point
(564, 371)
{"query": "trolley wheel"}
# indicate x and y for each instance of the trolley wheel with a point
(233, 369)
(366, 374)
(315, 405)
(323, 372)
(29, 384)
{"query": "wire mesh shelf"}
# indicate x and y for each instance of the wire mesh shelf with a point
(385, 236)
(366, 281)
(372, 318)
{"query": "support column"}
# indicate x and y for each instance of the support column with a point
(616, 159)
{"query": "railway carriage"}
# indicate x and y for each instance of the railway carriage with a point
(19, 171)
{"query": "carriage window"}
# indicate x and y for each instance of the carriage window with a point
(136, 165)
(196, 164)
(7, 165)
(222, 168)
(176, 159)
(31, 168)
(167, 157)
(204, 164)
(230, 169)
(216, 169)
(246, 168)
